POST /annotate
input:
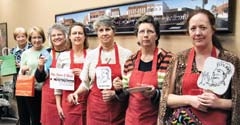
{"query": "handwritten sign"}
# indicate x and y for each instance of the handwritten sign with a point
(216, 75)
(61, 79)
(104, 77)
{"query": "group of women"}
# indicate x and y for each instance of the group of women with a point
(144, 88)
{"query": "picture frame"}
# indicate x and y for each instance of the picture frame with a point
(171, 14)
(3, 36)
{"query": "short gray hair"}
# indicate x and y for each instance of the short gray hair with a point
(60, 27)
(104, 21)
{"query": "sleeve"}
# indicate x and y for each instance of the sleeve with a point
(84, 76)
(40, 76)
(122, 95)
(57, 92)
(164, 60)
(127, 70)
(156, 97)
(23, 61)
(236, 93)
(12, 51)
(60, 60)
(162, 69)
(166, 89)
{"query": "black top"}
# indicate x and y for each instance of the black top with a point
(145, 66)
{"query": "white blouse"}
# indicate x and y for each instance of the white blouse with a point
(64, 61)
(88, 73)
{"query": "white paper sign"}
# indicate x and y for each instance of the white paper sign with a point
(216, 75)
(104, 77)
(61, 79)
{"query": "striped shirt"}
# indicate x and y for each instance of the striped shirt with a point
(164, 58)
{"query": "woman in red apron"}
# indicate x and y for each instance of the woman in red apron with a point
(140, 110)
(106, 61)
(181, 90)
(99, 111)
(189, 84)
(144, 69)
(49, 113)
(73, 114)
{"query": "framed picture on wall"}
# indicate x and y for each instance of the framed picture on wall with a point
(171, 14)
(3, 36)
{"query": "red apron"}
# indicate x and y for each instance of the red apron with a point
(189, 83)
(105, 113)
(75, 114)
(140, 109)
(49, 113)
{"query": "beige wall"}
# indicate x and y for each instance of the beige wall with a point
(29, 13)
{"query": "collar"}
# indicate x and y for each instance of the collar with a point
(25, 48)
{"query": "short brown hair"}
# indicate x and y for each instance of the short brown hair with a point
(148, 19)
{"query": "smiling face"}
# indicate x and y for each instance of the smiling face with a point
(20, 35)
(58, 38)
(77, 36)
(21, 39)
(200, 30)
(36, 40)
(146, 35)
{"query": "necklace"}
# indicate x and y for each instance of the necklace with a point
(106, 56)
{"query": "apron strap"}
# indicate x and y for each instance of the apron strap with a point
(155, 58)
(72, 57)
(54, 61)
(116, 54)
(191, 58)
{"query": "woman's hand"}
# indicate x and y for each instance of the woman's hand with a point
(17, 65)
(41, 62)
(24, 69)
(209, 99)
(76, 71)
(117, 83)
(73, 98)
(196, 103)
(108, 95)
(60, 112)
(150, 91)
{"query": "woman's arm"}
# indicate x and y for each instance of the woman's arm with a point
(73, 97)
(40, 76)
(58, 97)
(175, 100)
(85, 84)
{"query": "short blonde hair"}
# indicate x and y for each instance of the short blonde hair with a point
(38, 30)
(19, 30)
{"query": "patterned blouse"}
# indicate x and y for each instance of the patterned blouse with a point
(17, 52)
(232, 93)
(163, 61)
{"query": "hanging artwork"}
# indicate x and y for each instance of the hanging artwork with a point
(3, 36)
(171, 14)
